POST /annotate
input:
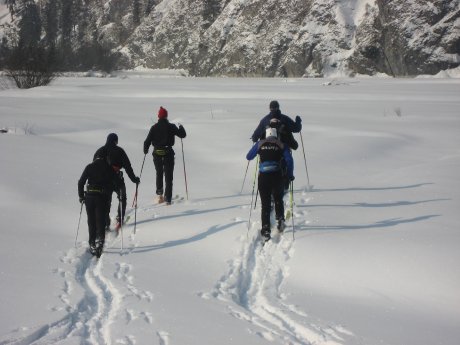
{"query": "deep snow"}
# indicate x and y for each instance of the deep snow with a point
(376, 250)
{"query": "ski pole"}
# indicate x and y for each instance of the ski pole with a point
(292, 209)
(305, 160)
(135, 194)
(244, 180)
(78, 227)
(142, 168)
(252, 196)
(135, 210)
(183, 161)
(120, 208)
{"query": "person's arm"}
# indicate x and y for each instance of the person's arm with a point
(148, 141)
(180, 131)
(258, 133)
(127, 166)
(81, 184)
(289, 162)
(293, 126)
(252, 152)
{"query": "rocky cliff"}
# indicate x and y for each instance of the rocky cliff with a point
(289, 38)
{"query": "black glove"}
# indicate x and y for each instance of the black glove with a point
(146, 151)
(298, 120)
(82, 200)
(292, 178)
(137, 180)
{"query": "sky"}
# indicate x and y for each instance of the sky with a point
(370, 256)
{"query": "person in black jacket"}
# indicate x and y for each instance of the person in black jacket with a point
(100, 178)
(162, 137)
(286, 126)
(118, 159)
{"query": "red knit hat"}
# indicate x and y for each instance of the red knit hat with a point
(162, 113)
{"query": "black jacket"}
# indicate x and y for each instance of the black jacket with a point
(100, 177)
(162, 135)
(288, 127)
(115, 155)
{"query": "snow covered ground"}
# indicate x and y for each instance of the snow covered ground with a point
(377, 236)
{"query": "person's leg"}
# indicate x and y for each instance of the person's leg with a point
(91, 216)
(278, 193)
(265, 200)
(169, 175)
(158, 162)
(107, 210)
(122, 196)
(100, 206)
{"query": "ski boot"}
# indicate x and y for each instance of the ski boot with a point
(281, 225)
(265, 232)
(92, 249)
(99, 248)
(160, 199)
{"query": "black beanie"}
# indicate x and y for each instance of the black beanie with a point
(112, 138)
(274, 105)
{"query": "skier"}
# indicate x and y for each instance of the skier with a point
(100, 178)
(162, 137)
(118, 159)
(286, 126)
(272, 152)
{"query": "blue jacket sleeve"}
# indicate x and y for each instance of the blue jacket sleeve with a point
(252, 152)
(289, 161)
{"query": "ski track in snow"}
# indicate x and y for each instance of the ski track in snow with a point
(252, 290)
(89, 320)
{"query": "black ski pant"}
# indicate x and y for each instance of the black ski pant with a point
(164, 166)
(96, 208)
(271, 185)
(121, 195)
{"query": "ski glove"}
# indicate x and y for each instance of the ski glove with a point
(82, 200)
(298, 120)
(137, 180)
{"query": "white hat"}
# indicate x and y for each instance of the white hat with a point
(271, 132)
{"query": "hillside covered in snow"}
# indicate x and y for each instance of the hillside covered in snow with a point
(288, 38)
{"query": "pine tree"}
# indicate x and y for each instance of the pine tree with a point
(30, 25)
(66, 26)
(50, 22)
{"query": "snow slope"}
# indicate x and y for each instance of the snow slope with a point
(373, 259)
